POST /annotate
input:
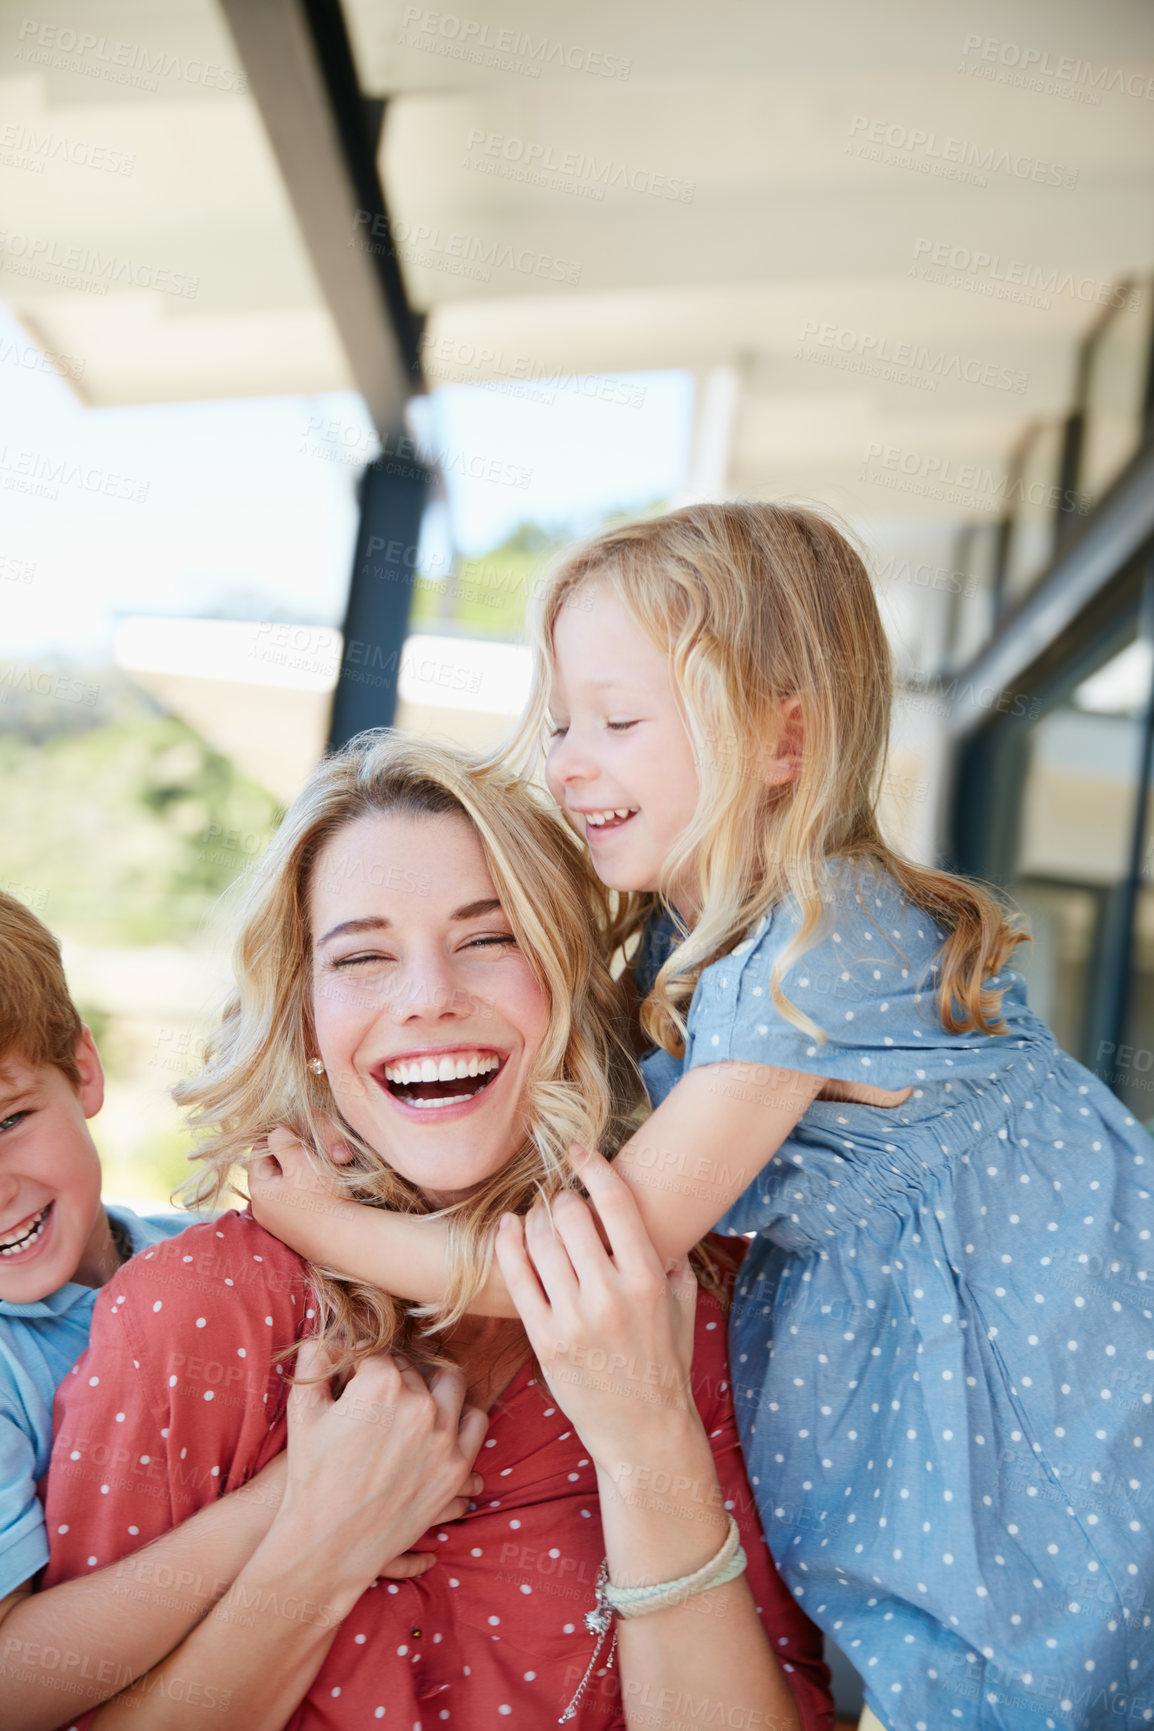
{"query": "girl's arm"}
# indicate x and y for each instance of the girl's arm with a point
(583, 1307)
(367, 1474)
(101, 1618)
(689, 1161)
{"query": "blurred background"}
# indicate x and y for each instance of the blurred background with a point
(323, 325)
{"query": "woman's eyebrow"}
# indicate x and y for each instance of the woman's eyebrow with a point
(378, 923)
(374, 924)
(476, 910)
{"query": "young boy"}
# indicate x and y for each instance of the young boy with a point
(68, 1649)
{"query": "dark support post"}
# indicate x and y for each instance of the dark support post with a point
(393, 494)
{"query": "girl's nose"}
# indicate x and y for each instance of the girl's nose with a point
(569, 761)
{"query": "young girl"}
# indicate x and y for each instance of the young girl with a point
(942, 1344)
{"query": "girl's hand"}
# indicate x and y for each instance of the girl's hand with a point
(612, 1331)
(284, 1165)
(290, 1197)
(370, 1472)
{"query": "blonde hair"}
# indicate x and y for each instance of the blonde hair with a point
(38, 1020)
(757, 604)
(583, 1086)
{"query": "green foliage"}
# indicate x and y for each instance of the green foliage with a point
(486, 596)
(128, 832)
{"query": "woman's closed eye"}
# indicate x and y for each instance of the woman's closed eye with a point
(360, 957)
(489, 940)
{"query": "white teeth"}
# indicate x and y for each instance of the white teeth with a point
(27, 1236)
(450, 1067)
(597, 818)
(624, 813)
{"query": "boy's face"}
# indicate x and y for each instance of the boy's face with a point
(52, 1226)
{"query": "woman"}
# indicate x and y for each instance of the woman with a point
(420, 961)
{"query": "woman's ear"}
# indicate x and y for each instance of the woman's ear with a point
(784, 763)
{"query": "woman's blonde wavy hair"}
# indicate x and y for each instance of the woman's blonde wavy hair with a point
(757, 604)
(583, 1086)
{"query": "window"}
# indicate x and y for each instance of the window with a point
(1035, 495)
(1116, 392)
(1072, 862)
(972, 618)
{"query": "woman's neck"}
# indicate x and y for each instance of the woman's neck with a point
(490, 1350)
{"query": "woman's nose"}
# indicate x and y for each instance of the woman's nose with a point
(428, 990)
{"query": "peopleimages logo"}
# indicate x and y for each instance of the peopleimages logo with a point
(1015, 63)
(915, 363)
(973, 478)
(118, 62)
(1013, 278)
(572, 171)
(507, 49)
(454, 251)
(929, 152)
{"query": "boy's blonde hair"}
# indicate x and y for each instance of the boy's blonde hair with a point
(757, 604)
(583, 1086)
(38, 1020)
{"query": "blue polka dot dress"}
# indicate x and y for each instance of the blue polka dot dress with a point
(943, 1337)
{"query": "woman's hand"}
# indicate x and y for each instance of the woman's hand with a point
(613, 1332)
(391, 1457)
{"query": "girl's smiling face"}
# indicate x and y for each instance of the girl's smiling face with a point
(620, 759)
(428, 1016)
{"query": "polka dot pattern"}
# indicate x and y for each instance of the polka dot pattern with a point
(494, 1631)
(942, 1334)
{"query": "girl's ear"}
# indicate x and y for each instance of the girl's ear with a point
(784, 763)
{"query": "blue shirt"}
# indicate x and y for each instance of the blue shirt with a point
(942, 1339)
(39, 1344)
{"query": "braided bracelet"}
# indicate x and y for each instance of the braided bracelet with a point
(729, 1562)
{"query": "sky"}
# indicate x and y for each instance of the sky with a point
(247, 508)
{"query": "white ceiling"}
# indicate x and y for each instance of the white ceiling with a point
(201, 209)
(790, 261)
(757, 113)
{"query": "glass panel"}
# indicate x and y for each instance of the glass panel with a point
(1129, 1069)
(1075, 837)
(1034, 500)
(973, 620)
(1115, 394)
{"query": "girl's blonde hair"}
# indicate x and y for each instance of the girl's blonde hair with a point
(583, 1085)
(757, 604)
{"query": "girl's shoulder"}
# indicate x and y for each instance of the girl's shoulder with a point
(855, 1000)
(868, 931)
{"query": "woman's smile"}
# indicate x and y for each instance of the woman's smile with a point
(440, 1080)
